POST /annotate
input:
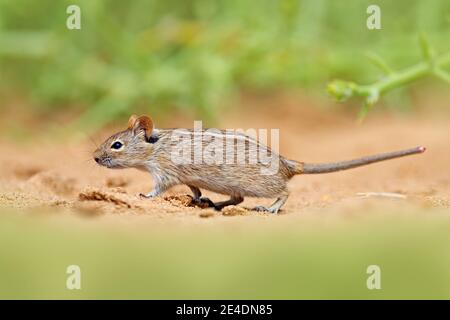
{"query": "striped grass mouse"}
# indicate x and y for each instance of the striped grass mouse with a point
(157, 151)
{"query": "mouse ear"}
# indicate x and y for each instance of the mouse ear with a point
(143, 123)
(132, 120)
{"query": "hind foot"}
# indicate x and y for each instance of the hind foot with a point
(265, 209)
(275, 207)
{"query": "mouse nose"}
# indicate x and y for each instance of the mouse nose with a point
(97, 159)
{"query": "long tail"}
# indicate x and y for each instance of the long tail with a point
(311, 168)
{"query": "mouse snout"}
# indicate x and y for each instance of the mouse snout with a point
(97, 156)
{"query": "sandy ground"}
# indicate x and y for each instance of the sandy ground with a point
(42, 173)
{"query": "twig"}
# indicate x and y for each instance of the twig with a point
(432, 65)
(381, 194)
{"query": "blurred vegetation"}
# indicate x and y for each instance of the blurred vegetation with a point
(270, 259)
(194, 54)
(431, 65)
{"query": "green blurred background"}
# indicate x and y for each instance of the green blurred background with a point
(240, 259)
(193, 55)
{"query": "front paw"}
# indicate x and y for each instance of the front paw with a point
(149, 195)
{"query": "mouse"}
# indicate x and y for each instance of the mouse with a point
(157, 151)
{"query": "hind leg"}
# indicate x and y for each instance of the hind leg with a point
(275, 207)
(198, 199)
(234, 200)
(196, 193)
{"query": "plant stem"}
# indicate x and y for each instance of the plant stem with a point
(343, 90)
(400, 78)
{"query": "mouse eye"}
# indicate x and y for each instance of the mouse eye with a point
(116, 145)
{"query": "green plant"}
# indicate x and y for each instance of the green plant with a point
(157, 56)
(432, 65)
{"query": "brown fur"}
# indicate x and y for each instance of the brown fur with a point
(229, 179)
(150, 150)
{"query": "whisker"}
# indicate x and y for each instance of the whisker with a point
(87, 152)
(93, 141)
